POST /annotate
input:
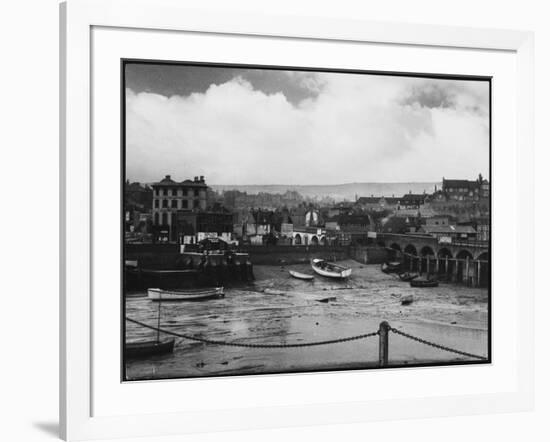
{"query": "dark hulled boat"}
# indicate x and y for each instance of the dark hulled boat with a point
(143, 349)
(424, 283)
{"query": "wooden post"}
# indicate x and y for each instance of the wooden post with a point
(383, 341)
(419, 265)
(437, 265)
(455, 271)
(467, 270)
(478, 273)
(428, 265)
(446, 266)
(410, 262)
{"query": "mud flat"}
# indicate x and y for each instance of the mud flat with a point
(277, 309)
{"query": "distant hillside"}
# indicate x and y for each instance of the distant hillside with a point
(339, 192)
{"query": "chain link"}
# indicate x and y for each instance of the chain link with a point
(238, 344)
(432, 344)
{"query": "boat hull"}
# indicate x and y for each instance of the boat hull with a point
(148, 348)
(299, 275)
(156, 294)
(331, 271)
(421, 284)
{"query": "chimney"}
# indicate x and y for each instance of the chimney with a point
(196, 179)
(202, 179)
(167, 177)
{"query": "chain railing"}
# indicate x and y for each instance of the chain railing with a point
(382, 333)
(249, 345)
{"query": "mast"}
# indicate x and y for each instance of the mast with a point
(158, 319)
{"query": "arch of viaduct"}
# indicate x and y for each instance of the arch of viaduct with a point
(466, 262)
(308, 239)
(419, 245)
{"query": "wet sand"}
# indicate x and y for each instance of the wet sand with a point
(278, 309)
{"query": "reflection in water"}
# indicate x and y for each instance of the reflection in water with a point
(450, 315)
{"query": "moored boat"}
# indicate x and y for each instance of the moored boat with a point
(148, 348)
(424, 283)
(391, 267)
(329, 269)
(156, 294)
(299, 275)
(407, 276)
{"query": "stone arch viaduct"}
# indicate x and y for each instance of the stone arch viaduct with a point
(457, 261)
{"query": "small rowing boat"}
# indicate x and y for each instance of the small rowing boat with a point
(299, 275)
(148, 348)
(424, 283)
(156, 294)
(329, 269)
(407, 276)
(391, 267)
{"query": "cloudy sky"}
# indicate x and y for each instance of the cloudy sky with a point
(259, 126)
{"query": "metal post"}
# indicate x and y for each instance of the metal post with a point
(383, 332)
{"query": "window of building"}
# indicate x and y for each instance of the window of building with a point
(157, 203)
(165, 204)
(174, 204)
(156, 218)
(196, 204)
(164, 218)
(196, 192)
(185, 204)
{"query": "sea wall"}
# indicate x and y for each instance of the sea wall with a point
(276, 255)
(368, 254)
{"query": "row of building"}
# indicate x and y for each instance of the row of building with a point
(183, 212)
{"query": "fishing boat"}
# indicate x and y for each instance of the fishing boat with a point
(140, 349)
(329, 269)
(391, 267)
(407, 276)
(156, 294)
(424, 283)
(148, 348)
(299, 275)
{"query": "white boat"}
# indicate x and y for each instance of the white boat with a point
(156, 294)
(299, 275)
(329, 269)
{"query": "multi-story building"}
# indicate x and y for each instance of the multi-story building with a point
(170, 196)
(466, 190)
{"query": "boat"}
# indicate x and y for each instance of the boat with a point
(330, 270)
(156, 294)
(299, 275)
(424, 283)
(407, 276)
(391, 267)
(148, 348)
(407, 299)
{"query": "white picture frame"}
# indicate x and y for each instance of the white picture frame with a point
(77, 377)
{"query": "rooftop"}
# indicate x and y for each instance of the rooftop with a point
(167, 181)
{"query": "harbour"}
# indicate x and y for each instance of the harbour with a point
(276, 308)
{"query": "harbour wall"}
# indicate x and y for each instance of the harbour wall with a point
(167, 256)
(368, 255)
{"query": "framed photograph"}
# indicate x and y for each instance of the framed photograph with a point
(326, 221)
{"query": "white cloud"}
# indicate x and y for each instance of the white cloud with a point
(356, 130)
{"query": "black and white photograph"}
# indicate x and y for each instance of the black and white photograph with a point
(293, 219)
